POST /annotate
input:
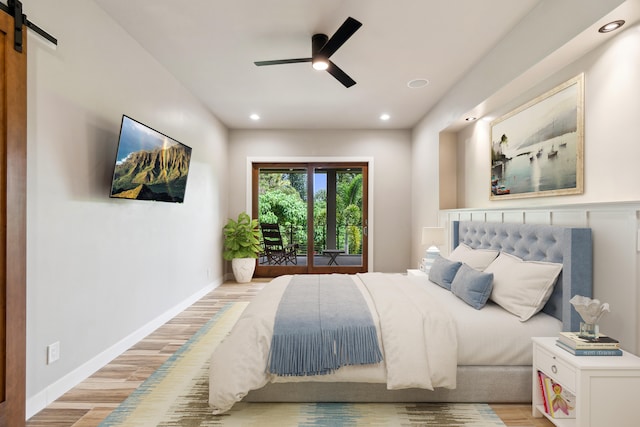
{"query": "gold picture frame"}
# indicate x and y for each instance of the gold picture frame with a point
(537, 150)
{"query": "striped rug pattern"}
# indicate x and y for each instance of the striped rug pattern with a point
(176, 395)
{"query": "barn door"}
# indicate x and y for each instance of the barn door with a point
(13, 165)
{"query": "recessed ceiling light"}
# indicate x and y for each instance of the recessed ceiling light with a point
(254, 116)
(384, 116)
(611, 26)
(417, 83)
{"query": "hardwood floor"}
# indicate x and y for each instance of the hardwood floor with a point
(91, 401)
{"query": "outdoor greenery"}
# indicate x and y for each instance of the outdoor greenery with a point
(282, 200)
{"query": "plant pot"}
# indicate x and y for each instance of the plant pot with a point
(243, 269)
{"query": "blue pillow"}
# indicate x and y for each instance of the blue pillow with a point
(443, 271)
(472, 286)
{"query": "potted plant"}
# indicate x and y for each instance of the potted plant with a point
(242, 246)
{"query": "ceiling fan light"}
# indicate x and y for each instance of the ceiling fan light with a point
(320, 64)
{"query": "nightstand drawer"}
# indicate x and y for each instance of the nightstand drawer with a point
(556, 368)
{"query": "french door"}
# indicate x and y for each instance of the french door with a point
(321, 212)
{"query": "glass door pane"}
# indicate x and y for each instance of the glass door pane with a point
(282, 213)
(338, 217)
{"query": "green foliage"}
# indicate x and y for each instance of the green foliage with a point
(241, 238)
(353, 189)
(281, 207)
(280, 201)
(349, 192)
(352, 215)
(354, 238)
(320, 222)
(352, 219)
(299, 182)
(278, 181)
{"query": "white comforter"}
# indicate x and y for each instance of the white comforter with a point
(418, 339)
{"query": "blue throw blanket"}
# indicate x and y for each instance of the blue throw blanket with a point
(322, 323)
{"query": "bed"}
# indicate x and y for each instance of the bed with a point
(492, 357)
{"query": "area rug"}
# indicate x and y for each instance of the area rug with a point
(176, 395)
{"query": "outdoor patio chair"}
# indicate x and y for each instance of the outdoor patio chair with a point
(276, 251)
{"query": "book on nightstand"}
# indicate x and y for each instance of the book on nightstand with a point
(589, 351)
(541, 377)
(575, 341)
(559, 402)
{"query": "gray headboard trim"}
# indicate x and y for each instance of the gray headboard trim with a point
(572, 247)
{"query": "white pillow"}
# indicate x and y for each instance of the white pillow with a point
(474, 258)
(522, 287)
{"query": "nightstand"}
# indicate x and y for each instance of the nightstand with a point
(606, 387)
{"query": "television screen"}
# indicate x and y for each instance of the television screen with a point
(149, 165)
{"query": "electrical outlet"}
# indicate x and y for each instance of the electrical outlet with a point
(53, 352)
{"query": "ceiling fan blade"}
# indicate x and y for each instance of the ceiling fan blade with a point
(345, 31)
(282, 61)
(340, 75)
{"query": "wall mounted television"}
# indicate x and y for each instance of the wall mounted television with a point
(149, 164)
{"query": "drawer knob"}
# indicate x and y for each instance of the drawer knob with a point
(554, 369)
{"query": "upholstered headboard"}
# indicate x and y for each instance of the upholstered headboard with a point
(567, 245)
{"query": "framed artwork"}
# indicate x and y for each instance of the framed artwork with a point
(537, 150)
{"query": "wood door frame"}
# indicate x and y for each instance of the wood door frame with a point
(311, 162)
(312, 269)
(272, 270)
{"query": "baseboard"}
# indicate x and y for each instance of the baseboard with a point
(41, 400)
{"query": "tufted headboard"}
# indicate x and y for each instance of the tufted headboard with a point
(569, 246)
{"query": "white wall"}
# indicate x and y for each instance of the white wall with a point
(102, 272)
(389, 182)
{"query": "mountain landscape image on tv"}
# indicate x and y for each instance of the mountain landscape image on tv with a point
(149, 165)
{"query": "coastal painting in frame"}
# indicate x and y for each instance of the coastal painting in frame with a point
(537, 149)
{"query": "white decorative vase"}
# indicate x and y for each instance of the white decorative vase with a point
(243, 269)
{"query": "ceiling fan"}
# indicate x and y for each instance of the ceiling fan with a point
(322, 47)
